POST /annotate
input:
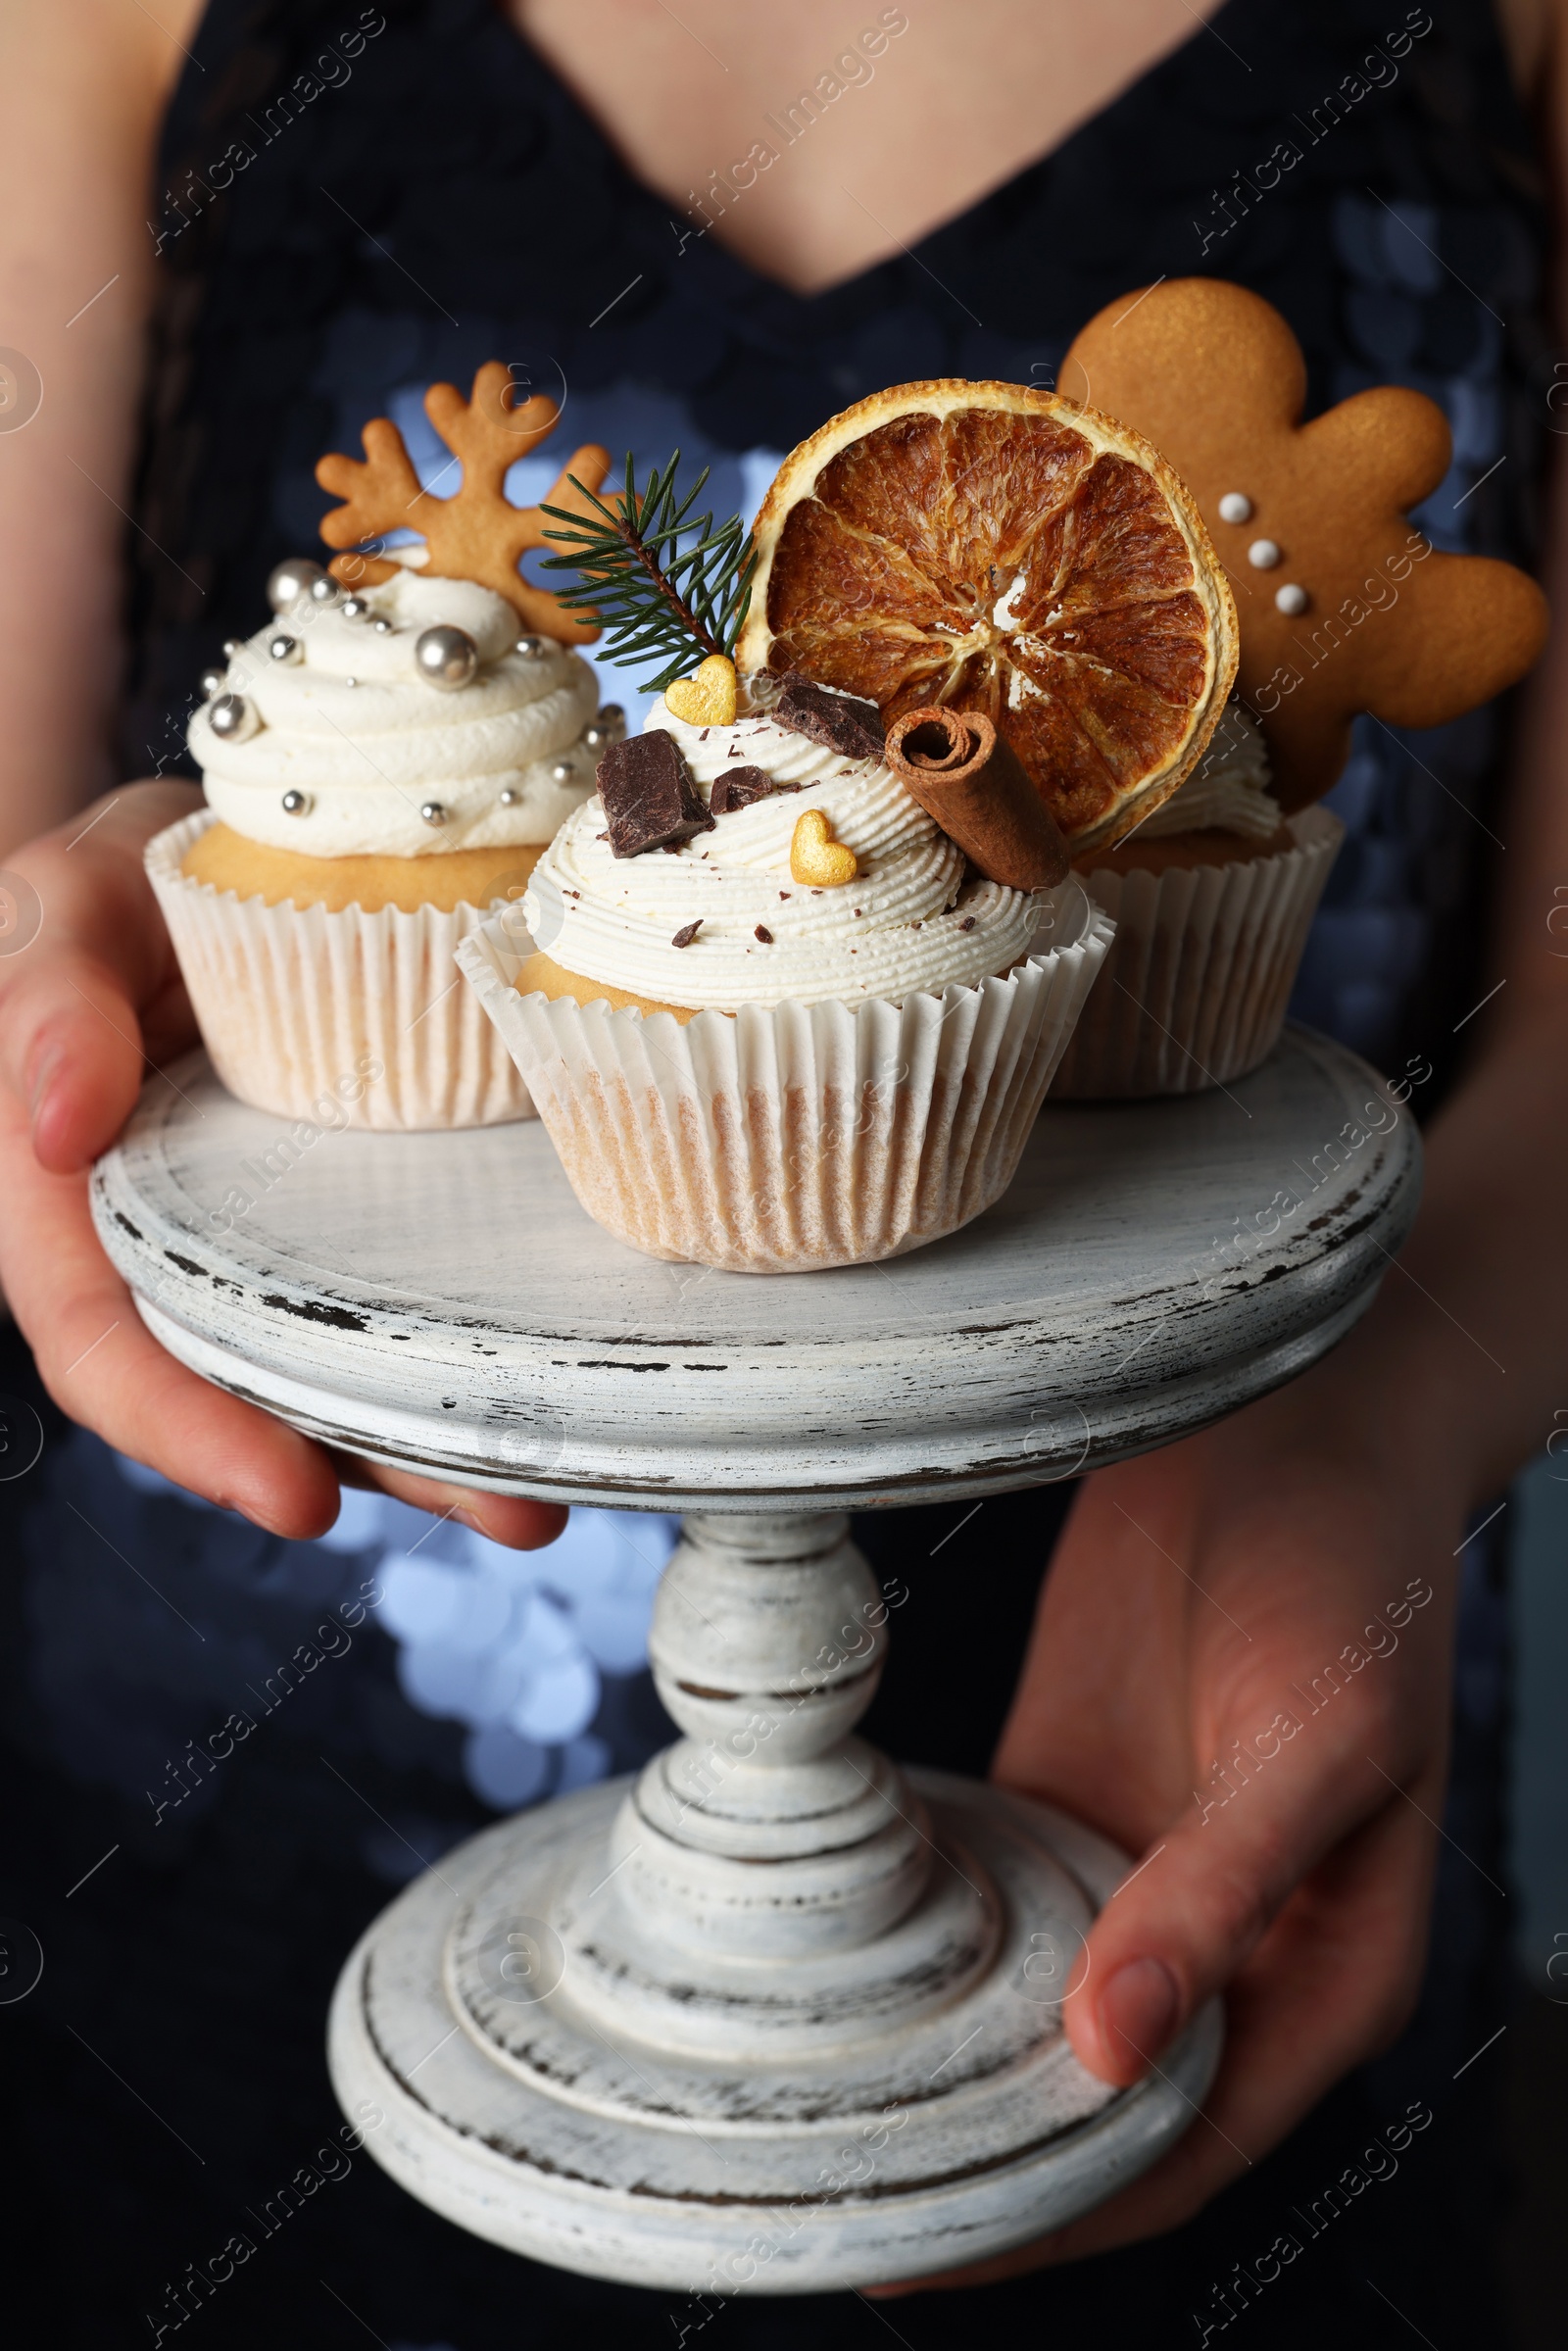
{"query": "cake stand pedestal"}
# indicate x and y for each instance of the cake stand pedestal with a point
(779, 2016)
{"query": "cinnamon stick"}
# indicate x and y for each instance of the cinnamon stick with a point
(969, 778)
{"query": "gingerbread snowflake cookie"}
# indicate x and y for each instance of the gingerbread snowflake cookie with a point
(473, 531)
(1345, 605)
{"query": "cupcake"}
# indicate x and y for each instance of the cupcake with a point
(771, 1015)
(1212, 897)
(801, 973)
(380, 769)
(1343, 606)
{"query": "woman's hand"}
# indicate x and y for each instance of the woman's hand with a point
(84, 1005)
(1240, 1671)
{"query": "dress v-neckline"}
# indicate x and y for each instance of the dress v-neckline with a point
(567, 97)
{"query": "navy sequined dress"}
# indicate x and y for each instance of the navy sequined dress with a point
(352, 206)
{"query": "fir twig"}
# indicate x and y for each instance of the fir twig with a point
(655, 599)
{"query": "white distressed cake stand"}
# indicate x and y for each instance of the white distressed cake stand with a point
(777, 2016)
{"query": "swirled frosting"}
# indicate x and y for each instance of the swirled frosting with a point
(908, 921)
(1227, 791)
(369, 743)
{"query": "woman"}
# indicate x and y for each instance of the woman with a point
(721, 225)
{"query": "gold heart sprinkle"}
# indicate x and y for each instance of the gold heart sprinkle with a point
(816, 858)
(708, 698)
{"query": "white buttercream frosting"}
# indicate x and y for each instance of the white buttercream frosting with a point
(1228, 790)
(910, 921)
(370, 755)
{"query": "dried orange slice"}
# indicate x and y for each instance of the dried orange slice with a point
(1004, 549)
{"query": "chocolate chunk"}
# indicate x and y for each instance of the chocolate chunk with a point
(687, 933)
(650, 798)
(968, 924)
(737, 788)
(851, 727)
(766, 937)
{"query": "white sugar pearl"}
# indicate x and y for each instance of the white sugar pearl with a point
(1235, 507)
(1290, 598)
(1263, 555)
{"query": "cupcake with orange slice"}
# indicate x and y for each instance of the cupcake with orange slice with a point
(795, 983)
(935, 553)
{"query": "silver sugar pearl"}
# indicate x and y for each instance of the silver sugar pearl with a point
(297, 803)
(433, 812)
(326, 590)
(381, 626)
(231, 646)
(509, 797)
(351, 681)
(355, 608)
(446, 658)
(284, 647)
(288, 581)
(613, 720)
(562, 772)
(531, 648)
(213, 681)
(232, 718)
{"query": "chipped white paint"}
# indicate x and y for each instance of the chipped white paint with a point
(779, 2016)
(441, 1301)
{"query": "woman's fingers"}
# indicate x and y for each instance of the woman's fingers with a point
(1208, 1888)
(95, 985)
(105, 1369)
(514, 1520)
(72, 999)
(1331, 1981)
(71, 1055)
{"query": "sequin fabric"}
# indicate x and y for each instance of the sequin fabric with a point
(432, 200)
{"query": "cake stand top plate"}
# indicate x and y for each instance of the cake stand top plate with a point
(441, 1303)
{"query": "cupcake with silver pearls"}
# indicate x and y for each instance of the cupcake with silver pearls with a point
(383, 765)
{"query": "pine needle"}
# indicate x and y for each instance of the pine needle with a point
(656, 600)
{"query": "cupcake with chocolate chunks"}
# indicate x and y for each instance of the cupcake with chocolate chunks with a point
(775, 1013)
(384, 762)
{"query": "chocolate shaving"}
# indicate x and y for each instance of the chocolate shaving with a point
(649, 797)
(842, 723)
(687, 933)
(766, 936)
(968, 924)
(737, 788)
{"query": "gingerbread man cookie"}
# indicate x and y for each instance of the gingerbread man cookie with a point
(1345, 605)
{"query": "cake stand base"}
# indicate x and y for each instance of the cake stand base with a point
(777, 2017)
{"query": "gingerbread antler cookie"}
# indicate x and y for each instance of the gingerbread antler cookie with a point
(476, 533)
(1343, 606)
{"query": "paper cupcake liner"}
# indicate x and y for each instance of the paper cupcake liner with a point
(302, 1010)
(1194, 988)
(786, 1138)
